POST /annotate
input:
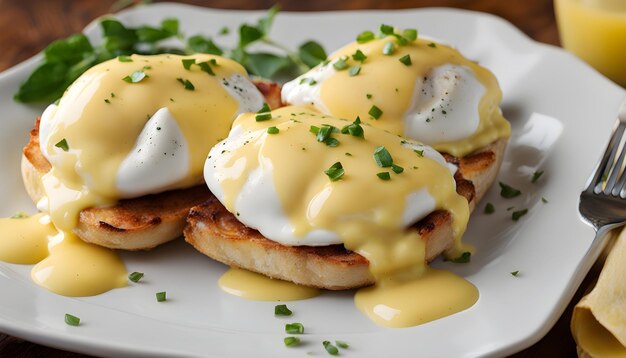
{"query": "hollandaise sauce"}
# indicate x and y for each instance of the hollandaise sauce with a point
(360, 184)
(254, 286)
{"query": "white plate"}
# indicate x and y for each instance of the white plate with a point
(561, 111)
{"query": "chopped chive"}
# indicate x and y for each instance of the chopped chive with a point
(71, 320)
(264, 113)
(419, 152)
(518, 214)
(20, 215)
(515, 273)
(489, 208)
(406, 60)
(63, 145)
(187, 84)
(314, 129)
(205, 67)
(330, 348)
(335, 172)
(463, 259)
(389, 48)
(544, 200)
(348, 154)
(135, 276)
(124, 58)
(291, 341)
(312, 82)
(397, 169)
(368, 96)
(273, 130)
(375, 112)
(340, 64)
(331, 142)
(161, 296)
(382, 157)
(342, 344)
(354, 70)
(265, 108)
(432, 44)
(106, 100)
(354, 129)
(383, 175)
(187, 62)
(359, 56)
(135, 77)
(386, 29)
(410, 34)
(224, 31)
(536, 176)
(364, 37)
(294, 328)
(282, 310)
(508, 191)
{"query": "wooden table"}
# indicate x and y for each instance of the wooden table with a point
(27, 26)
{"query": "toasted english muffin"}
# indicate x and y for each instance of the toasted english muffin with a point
(217, 233)
(132, 224)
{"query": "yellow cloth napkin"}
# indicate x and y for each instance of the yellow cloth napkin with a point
(599, 319)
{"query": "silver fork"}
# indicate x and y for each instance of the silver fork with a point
(603, 202)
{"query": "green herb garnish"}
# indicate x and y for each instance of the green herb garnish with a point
(20, 215)
(375, 112)
(536, 176)
(340, 64)
(518, 214)
(389, 49)
(544, 200)
(187, 62)
(161, 296)
(186, 84)
(135, 77)
(354, 129)
(264, 113)
(382, 157)
(335, 172)
(383, 175)
(359, 56)
(419, 153)
(294, 328)
(282, 310)
(397, 169)
(410, 34)
(135, 276)
(515, 273)
(406, 60)
(463, 259)
(354, 70)
(365, 36)
(71, 320)
(63, 145)
(273, 130)
(291, 341)
(432, 44)
(489, 208)
(124, 58)
(342, 344)
(386, 29)
(508, 191)
(330, 348)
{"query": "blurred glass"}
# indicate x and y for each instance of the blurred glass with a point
(595, 30)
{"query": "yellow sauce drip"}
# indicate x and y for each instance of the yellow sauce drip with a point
(390, 84)
(254, 286)
(90, 125)
(436, 294)
(25, 240)
(366, 224)
(76, 268)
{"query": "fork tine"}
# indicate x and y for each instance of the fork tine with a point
(608, 157)
(616, 171)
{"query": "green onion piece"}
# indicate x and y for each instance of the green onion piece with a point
(291, 341)
(265, 108)
(359, 56)
(354, 129)
(375, 112)
(406, 60)
(389, 48)
(135, 276)
(536, 176)
(432, 44)
(489, 208)
(63, 145)
(508, 191)
(342, 344)
(382, 157)
(518, 214)
(123, 58)
(161, 296)
(401, 40)
(294, 328)
(205, 67)
(515, 273)
(273, 130)
(314, 129)
(463, 259)
(282, 310)
(135, 77)
(354, 70)
(106, 100)
(364, 37)
(312, 82)
(348, 154)
(332, 350)
(368, 95)
(386, 29)
(383, 175)
(340, 64)
(187, 84)
(331, 142)
(187, 62)
(544, 200)
(71, 320)
(397, 169)
(224, 30)
(419, 152)
(335, 172)
(264, 113)
(20, 215)
(410, 34)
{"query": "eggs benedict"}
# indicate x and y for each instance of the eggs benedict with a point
(118, 161)
(326, 202)
(413, 87)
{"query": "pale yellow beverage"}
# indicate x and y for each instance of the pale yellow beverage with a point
(595, 30)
